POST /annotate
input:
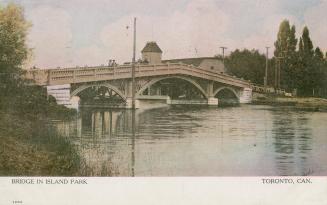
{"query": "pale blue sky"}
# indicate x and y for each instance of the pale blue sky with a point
(70, 32)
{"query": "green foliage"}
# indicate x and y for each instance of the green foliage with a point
(13, 32)
(285, 52)
(247, 64)
(301, 47)
(17, 94)
(302, 69)
(307, 43)
(28, 148)
(310, 73)
(13, 48)
(286, 40)
(25, 149)
(318, 54)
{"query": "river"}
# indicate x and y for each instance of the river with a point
(248, 140)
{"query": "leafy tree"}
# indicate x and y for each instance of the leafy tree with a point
(307, 43)
(247, 64)
(301, 46)
(318, 54)
(13, 49)
(17, 95)
(310, 77)
(281, 45)
(285, 52)
(13, 32)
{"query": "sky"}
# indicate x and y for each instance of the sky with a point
(69, 33)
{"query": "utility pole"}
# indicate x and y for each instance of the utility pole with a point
(275, 83)
(223, 48)
(133, 66)
(277, 73)
(266, 72)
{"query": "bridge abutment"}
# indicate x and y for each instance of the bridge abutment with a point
(246, 96)
(212, 101)
(62, 95)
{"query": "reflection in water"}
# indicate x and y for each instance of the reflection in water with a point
(292, 142)
(197, 141)
(133, 142)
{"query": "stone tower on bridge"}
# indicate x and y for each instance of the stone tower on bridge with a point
(151, 53)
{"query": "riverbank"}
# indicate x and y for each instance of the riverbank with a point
(29, 145)
(303, 103)
(32, 148)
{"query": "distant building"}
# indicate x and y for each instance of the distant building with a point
(152, 54)
(208, 63)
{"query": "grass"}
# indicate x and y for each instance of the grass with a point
(28, 148)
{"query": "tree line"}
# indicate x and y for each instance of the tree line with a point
(29, 145)
(18, 95)
(296, 66)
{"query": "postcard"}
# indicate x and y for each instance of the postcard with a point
(163, 102)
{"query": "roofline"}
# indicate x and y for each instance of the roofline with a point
(191, 58)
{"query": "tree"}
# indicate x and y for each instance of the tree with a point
(247, 64)
(281, 45)
(285, 52)
(13, 48)
(301, 47)
(318, 54)
(13, 32)
(307, 43)
(310, 66)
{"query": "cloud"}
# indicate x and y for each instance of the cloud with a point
(196, 30)
(89, 55)
(315, 19)
(267, 35)
(63, 35)
(50, 36)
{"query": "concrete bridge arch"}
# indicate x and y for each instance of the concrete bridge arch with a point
(236, 93)
(156, 80)
(107, 85)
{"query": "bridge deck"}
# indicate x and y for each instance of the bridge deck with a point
(103, 73)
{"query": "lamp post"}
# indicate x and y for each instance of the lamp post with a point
(266, 71)
(133, 66)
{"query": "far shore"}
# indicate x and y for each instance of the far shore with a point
(302, 103)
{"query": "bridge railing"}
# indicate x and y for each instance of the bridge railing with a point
(100, 73)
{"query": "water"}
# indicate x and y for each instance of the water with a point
(250, 140)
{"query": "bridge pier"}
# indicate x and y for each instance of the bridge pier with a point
(212, 101)
(246, 96)
(129, 102)
(129, 98)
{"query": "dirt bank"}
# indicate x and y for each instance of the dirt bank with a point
(303, 103)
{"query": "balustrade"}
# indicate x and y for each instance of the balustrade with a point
(96, 73)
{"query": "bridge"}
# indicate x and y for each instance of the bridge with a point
(170, 82)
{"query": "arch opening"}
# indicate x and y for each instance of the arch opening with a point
(98, 95)
(227, 97)
(177, 88)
